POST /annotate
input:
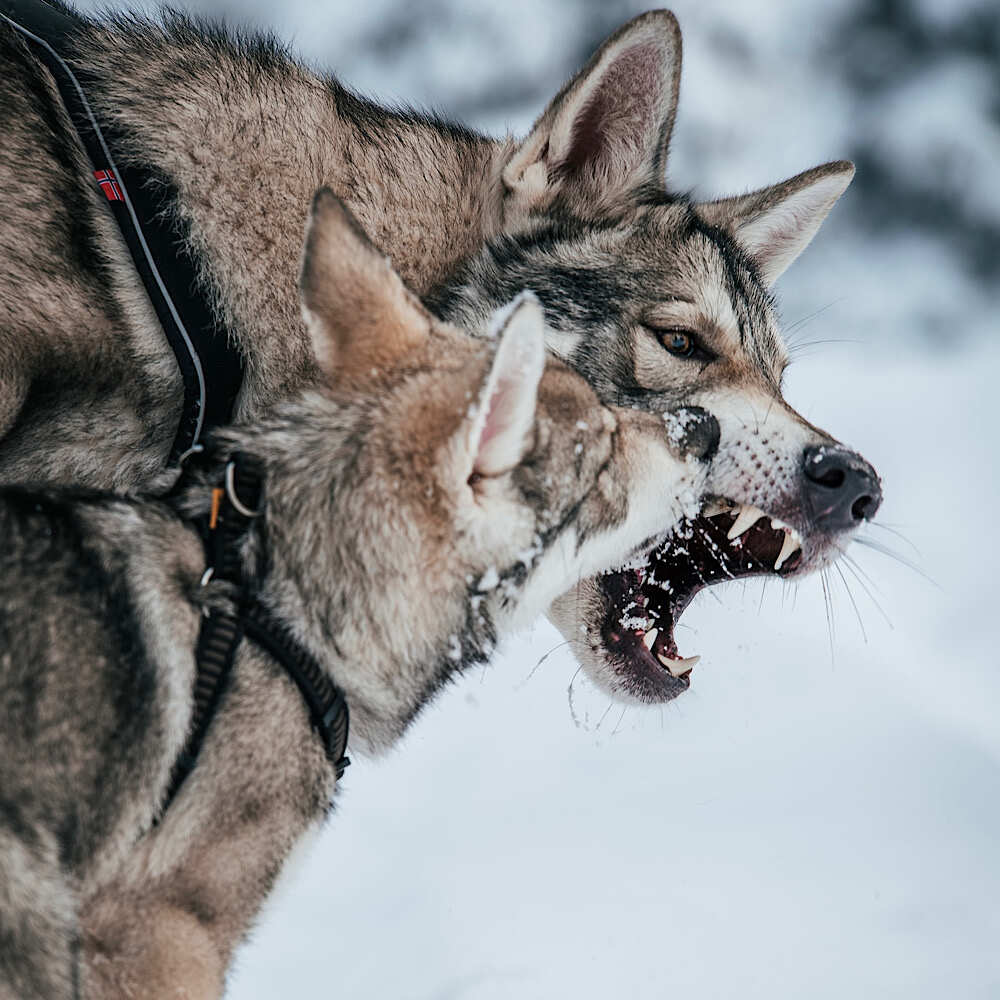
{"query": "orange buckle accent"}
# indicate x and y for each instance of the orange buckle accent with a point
(217, 494)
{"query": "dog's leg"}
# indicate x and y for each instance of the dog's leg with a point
(140, 946)
(188, 892)
(38, 927)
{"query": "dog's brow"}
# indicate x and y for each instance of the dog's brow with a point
(720, 310)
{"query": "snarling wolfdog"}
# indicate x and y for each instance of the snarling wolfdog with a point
(437, 492)
(656, 298)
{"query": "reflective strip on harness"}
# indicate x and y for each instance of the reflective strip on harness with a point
(139, 198)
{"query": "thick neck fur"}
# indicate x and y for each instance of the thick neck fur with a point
(253, 137)
(339, 561)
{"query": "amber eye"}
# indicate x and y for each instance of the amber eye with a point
(678, 342)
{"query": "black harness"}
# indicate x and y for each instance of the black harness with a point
(210, 366)
(212, 371)
(236, 504)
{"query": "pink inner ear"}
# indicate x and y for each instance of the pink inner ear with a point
(612, 131)
(500, 414)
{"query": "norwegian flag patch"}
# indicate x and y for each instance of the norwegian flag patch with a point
(109, 185)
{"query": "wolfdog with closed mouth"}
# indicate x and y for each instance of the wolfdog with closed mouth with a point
(433, 495)
(657, 299)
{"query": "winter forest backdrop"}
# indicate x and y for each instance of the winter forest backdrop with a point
(818, 816)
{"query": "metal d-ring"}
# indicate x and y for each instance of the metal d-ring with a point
(231, 493)
(195, 449)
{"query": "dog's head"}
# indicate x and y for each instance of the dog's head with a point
(441, 490)
(661, 301)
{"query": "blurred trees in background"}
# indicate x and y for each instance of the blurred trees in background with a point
(925, 83)
(920, 82)
(909, 89)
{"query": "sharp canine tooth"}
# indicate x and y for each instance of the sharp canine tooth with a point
(788, 546)
(747, 518)
(678, 667)
(649, 638)
(714, 507)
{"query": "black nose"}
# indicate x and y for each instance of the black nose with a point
(842, 489)
(694, 431)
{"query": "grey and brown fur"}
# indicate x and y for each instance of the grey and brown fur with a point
(577, 211)
(433, 494)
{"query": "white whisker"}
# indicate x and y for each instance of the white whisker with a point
(617, 729)
(611, 705)
(875, 546)
(860, 576)
(898, 534)
(799, 323)
(854, 605)
(569, 698)
(542, 659)
(828, 605)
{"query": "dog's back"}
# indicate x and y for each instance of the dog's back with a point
(74, 339)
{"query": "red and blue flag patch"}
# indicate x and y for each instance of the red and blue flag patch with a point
(109, 185)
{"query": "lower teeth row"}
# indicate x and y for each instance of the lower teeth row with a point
(678, 666)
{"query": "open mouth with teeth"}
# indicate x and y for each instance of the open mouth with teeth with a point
(727, 541)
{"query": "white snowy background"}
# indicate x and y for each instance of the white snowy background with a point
(819, 816)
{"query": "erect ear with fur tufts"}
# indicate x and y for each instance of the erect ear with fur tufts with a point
(606, 133)
(776, 224)
(500, 432)
(358, 311)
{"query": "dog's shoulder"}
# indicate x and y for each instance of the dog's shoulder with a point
(69, 547)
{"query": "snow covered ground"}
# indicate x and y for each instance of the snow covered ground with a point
(818, 816)
(802, 823)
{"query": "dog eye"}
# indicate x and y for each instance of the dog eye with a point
(678, 342)
(683, 344)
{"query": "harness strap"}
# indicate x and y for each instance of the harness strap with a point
(214, 657)
(137, 198)
(327, 706)
(234, 507)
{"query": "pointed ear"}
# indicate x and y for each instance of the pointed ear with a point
(359, 313)
(777, 223)
(500, 432)
(606, 133)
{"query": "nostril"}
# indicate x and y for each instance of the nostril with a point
(832, 478)
(826, 467)
(863, 508)
(841, 488)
